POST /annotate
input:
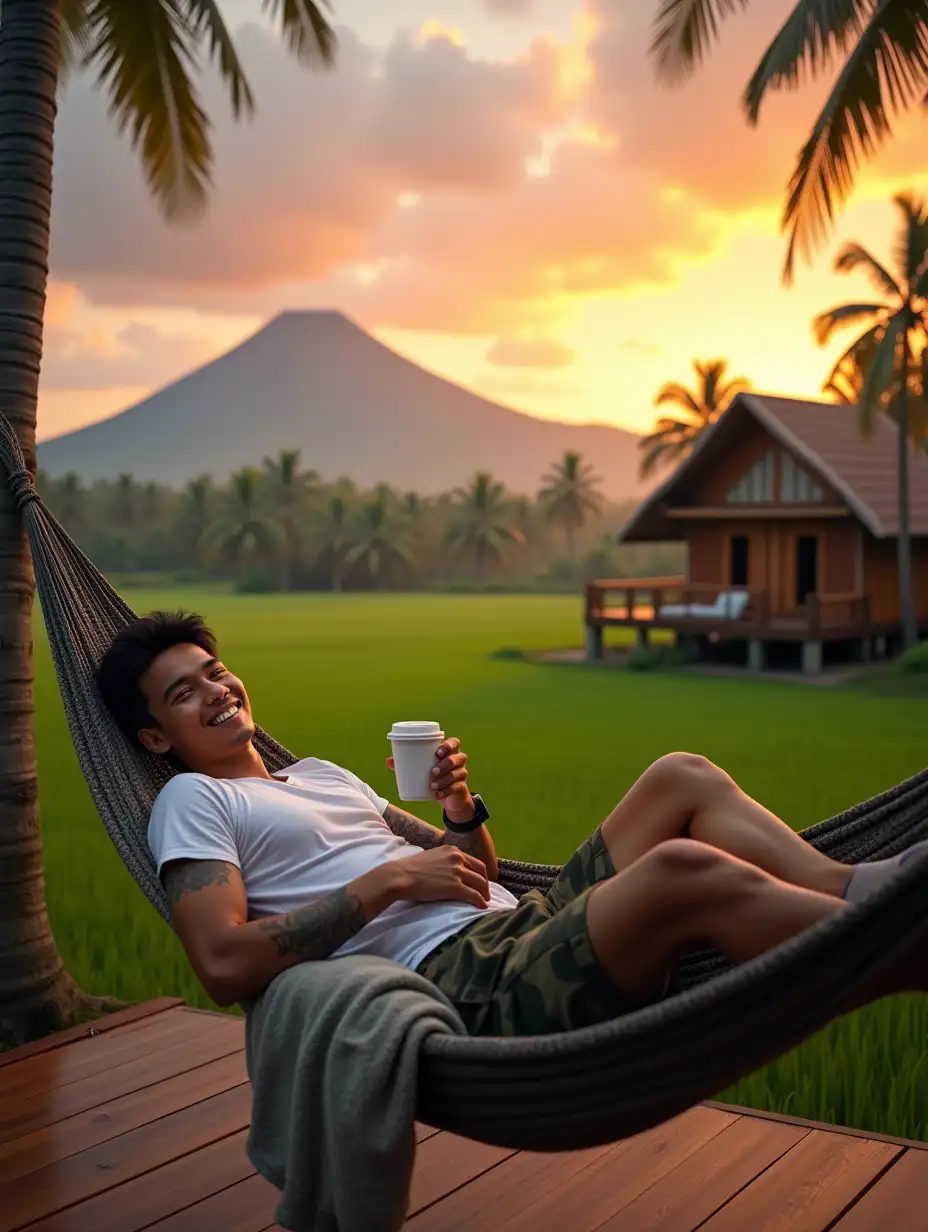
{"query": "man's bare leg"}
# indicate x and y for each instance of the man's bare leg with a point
(684, 795)
(684, 894)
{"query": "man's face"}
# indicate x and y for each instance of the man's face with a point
(201, 710)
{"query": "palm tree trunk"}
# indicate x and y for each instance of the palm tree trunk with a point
(906, 594)
(36, 993)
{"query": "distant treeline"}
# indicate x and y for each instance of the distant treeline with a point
(280, 527)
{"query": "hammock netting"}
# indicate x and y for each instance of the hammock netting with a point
(557, 1092)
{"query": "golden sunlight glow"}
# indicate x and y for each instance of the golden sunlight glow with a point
(436, 31)
(651, 249)
(576, 72)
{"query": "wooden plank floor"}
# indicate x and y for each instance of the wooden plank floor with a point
(142, 1124)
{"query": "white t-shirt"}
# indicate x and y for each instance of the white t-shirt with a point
(296, 841)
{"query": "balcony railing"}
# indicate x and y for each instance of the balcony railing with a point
(639, 601)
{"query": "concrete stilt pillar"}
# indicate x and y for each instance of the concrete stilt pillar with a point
(594, 642)
(811, 658)
(756, 655)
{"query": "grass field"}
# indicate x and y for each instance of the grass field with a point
(550, 747)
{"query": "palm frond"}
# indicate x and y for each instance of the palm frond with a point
(207, 24)
(307, 34)
(143, 54)
(885, 73)
(854, 256)
(678, 394)
(684, 30)
(911, 247)
(825, 324)
(853, 365)
(805, 45)
(729, 390)
(882, 373)
(663, 453)
(75, 38)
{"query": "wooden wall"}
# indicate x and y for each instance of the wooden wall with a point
(881, 577)
(713, 487)
(772, 554)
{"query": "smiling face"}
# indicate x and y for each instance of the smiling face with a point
(200, 710)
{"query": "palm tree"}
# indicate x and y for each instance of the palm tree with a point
(880, 50)
(125, 503)
(146, 55)
(483, 526)
(195, 513)
(332, 538)
(896, 329)
(845, 384)
(673, 438)
(381, 540)
(244, 533)
(288, 490)
(70, 499)
(570, 495)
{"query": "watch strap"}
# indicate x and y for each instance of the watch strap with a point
(466, 827)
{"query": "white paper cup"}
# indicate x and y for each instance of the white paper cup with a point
(414, 747)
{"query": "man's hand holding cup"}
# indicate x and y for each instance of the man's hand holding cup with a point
(430, 767)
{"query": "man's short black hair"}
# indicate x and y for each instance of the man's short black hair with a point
(131, 654)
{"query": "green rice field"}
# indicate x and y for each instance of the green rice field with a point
(551, 748)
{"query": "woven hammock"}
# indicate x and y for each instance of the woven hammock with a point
(557, 1092)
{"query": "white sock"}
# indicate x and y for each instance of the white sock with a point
(867, 877)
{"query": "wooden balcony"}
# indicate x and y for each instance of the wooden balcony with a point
(672, 603)
(138, 1123)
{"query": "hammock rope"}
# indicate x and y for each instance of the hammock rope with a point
(558, 1092)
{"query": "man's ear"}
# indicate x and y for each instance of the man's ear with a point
(155, 741)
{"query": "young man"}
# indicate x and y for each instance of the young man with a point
(264, 871)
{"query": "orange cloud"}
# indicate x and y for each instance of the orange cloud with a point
(531, 352)
(410, 200)
(98, 357)
(421, 187)
(696, 137)
(60, 301)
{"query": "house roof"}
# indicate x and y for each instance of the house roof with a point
(825, 435)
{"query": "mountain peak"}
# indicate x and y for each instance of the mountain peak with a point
(316, 381)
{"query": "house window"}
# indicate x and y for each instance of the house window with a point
(757, 485)
(738, 568)
(795, 485)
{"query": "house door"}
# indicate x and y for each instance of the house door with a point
(739, 560)
(806, 567)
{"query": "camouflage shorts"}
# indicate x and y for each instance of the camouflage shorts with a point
(532, 970)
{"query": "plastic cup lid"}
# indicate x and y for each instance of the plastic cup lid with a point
(414, 731)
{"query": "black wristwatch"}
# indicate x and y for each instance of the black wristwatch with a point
(465, 827)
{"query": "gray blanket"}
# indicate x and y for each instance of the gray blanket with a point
(332, 1051)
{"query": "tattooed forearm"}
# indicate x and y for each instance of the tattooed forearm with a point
(414, 831)
(474, 843)
(182, 877)
(477, 843)
(317, 930)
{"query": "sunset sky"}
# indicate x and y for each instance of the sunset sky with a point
(498, 189)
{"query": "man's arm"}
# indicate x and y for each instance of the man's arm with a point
(235, 958)
(421, 834)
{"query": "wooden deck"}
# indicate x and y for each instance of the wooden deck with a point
(637, 603)
(142, 1124)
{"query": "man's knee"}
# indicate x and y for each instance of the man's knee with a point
(688, 775)
(681, 858)
(684, 865)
